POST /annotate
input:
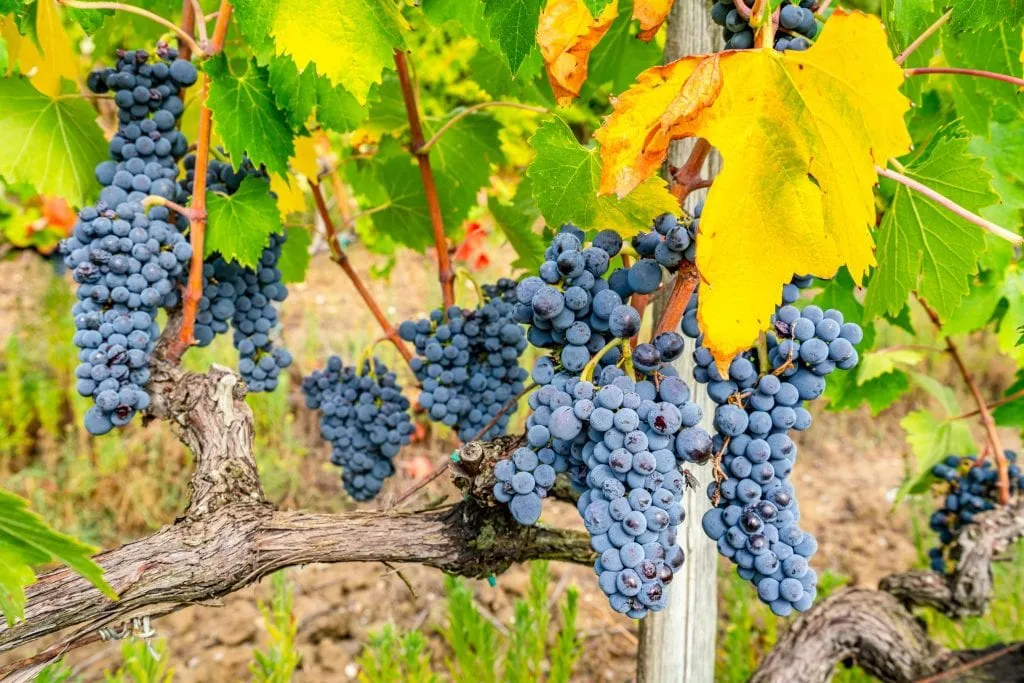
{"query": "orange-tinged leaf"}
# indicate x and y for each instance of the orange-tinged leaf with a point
(799, 134)
(651, 14)
(566, 33)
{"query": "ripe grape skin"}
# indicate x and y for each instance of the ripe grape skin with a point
(365, 418)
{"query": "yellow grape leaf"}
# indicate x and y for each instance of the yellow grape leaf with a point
(799, 134)
(304, 160)
(22, 54)
(350, 41)
(651, 14)
(290, 196)
(566, 33)
(58, 58)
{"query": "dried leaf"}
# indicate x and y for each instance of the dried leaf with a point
(567, 33)
(651, 14)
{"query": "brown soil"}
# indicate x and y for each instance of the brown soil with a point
(849, 468)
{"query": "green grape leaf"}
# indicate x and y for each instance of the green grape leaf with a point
(565, 178)
(516, 220)
(980, 100)
(469, 16)
(597, 6)
(874, 364)
(905, 20)
(336, 108)
(976, 309)
(387, 113)
(620, 57)
(971, 15)
(350, 41)
(1012, 414)
(1003, 152)
(255, 18)
(89, 19)
(843, 391)
(391, 183)
(51, 144)
(939, 391)
(924, 247)
(27, 540)
(294, 255)
(1013, 318)
(247, 117)
(512, 26)
(930, 440)
(295, 92)
(462, 159)
(240, 225)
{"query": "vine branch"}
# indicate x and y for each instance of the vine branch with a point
(338, 256)
(425, 147)
(687, 179)
(949, 204)
(682, 289)
(197, 210)
(122, 7)
(444, 267)
(925, 70)
(925, 35)
(994, 442)
(1009, 398)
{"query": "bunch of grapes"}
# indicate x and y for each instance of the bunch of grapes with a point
(569, 308)
(672, 242)
(468, 363)
(796, 25)
(969, 488)
(240, 297)
(755, 520)
(126, 265)
(147, 146)
(365, 418)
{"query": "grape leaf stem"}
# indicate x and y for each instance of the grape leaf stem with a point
(463, 113)
(686, 178)
(926, 70)
(197, 211)
(122, 7)
(920, 40)
(682, 289)
(1009, 398)
(444, 267)
(200, 21)
(338, 256)
(985, 416)
(949, 204)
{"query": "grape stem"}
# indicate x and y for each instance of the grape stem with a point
(588, 370)
(443, 467)
(639, 302)
(985, 416)
(1010, 398)
(200, 21)
(197, 211)
(122, 7)
(463, 113)
(156, 200)
(920, 40)
(944, 201)
(741, 9)
(339, 257)
(444, 267)
(686, 179)
(675, 306)
(188, 26)
(925, 70)
(466, 276)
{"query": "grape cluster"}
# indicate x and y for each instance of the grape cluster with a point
(797, 25)
(147, 146)
(670, 244)
(969, 489)
(240, 297)
(126, 265)
(365, 418)
(468, 364)
(221, 176)
(755, 520)
(637, 435)
(570, 308)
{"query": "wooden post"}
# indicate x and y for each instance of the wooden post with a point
(678, 644)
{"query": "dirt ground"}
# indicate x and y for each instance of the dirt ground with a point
(850, 465)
